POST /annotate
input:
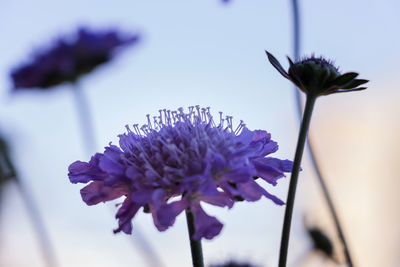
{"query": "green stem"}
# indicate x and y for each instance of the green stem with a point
(293, 180)
(195, 245)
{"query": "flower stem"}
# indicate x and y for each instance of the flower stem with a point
(330, 206)
(293, 180)
(195, 245)
(146, 249)
(8, 173)
(85, 119)
(38, 225)
(296, 54)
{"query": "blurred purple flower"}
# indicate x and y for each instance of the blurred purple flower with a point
(177, 162)
(69, 58)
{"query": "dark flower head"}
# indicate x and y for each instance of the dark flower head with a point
(178, 161)
(318, 76)
(7, 171)
(321, 241)
(233, 264)
(69, 58)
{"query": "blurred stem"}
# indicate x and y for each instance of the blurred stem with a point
(38, 225)
(293, 180)
(89, 139)
(146, 249)
(84, 119)
(8, 173)
(195, 245)
(321, 180)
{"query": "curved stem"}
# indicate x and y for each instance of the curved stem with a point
(195, 245)
(330, 205)
(296, 54)
(293, 180)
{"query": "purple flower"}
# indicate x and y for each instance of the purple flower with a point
(69, 58)
(177, 162)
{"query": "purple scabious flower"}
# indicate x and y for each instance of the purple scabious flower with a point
(69, 58)
(177, 162)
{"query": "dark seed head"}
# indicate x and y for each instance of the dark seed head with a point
(318, 76)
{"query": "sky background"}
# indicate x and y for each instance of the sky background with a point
(207, 53)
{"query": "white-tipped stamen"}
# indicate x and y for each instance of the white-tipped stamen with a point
(149, 122)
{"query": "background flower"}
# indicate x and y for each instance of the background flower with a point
(70, 57)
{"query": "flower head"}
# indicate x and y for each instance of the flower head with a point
(318, 76)
(69, 58)
(233, 264)
(7, 171)
(321, 241)
(177, 162)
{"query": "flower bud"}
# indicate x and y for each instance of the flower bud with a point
(318, 76)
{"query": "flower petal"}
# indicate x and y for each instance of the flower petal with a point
(220, 200)
(166, 214)
(125, 215)
(277, 65)
(83, 172)
(271, 169)
(344, 79)
(110, 161)
(96, 192)
(251, 191)
(261, 135)
(239, 175)
(205, 226)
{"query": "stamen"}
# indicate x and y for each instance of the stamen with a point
(190, 113)
(198, 111)
(128, 129)
(240, 127)
(221, 120)
(155, 122)
(210, 118)
(229, 122)
(203, 115)
(145, 129)
(149, 122)
(165, 117)
(169, 117)
(136, 129)
(174, 116)
(160, 117)
(181, 114)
